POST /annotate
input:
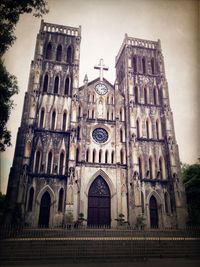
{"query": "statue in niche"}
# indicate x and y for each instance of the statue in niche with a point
(100, 109)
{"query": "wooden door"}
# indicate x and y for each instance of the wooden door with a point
(44, 210)
(153, 213)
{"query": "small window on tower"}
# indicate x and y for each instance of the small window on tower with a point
(59, 53)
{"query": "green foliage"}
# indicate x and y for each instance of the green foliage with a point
(17, 217)
(140, 222)
(191, 180)
(121, 221)
(10, 11)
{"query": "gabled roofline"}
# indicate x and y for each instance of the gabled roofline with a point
(95, 80)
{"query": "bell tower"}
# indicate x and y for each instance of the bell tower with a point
(40, 166)
(153, 165)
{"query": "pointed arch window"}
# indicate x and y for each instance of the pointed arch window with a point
(93, 114)
(79, 111)
(155, 96)
(108, 115)
(138, 128)
(53, 120)
(145, 96)
(69, 55)
(106, 156)
(151, 168)
(77, 154)
(64, 121)
(140, 168)
(59, 53)
(42, 118)
(78, 132)
(157, 130)
(94, 156)
(112, 157)
(56, 83)
(136, 95)
(45, 84)
(61, 163)
(30, 201)
(37, 161)
(67, 82)
(147, 128)
(122, 156)
(161, 168)
(60, 200)
(144, 65)
(134, 64)
(49, 162)
(87, 155)
(121, 135)
(100, 156)
(112, 116)
(49, 51)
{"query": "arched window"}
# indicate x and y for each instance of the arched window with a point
(64, 121)
(121, 114)
(87, 155)
(108, 102)
(147, 128)
(166, 203)
(60, 200)
(136, 95)
(49, 162)
(121, 135)
(138, 128)
(94, 156)
(69, 55)
(106, 156)
(153, 66)
(30, 201)
(93, 98)
(100, 156)
(121, 156)
(157, 130)
(53, 120)
(67, 82)
(144, 65)
(112, 100)
(134, 64)
(56, 83)
(154, 96)
(151, 168)
(61, 163)
(79, 111)
(59, 53)
(140, 168)
(112, 116)
(145, 96)
(142, 201)
(93, 114)
(161, 166)
(42, 118)
(77, 154)
(108, 115)
(45, 84)
(49, 51)
(113, 157)
(78, 132)
(37, 162)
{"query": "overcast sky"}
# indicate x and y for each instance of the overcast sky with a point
(104, 24)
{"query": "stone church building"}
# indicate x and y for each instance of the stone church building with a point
(99, 149)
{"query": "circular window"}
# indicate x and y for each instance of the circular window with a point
(100, 135)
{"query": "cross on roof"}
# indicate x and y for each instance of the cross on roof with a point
(101, 67)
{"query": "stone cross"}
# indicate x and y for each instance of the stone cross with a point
(101, 67)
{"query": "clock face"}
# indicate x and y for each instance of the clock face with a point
(101, 89)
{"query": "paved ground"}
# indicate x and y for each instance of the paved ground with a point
(149, 263)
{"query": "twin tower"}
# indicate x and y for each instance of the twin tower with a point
(99, 149)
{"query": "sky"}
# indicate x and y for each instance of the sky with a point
(103, 27)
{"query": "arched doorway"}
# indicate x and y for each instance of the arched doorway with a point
(44, 210)
(99, 203)
(153, 212)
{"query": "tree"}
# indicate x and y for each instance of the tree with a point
(191, 180)
(10, 11)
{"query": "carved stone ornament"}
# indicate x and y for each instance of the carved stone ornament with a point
(100, 135)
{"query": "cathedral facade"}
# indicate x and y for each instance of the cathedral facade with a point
(100, 149)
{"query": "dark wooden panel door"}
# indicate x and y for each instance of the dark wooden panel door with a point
(99, 203)
(44, 210)
(153, 213)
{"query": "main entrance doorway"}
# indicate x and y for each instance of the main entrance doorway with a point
(44, 210)
(99, 203)
(153, 212)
